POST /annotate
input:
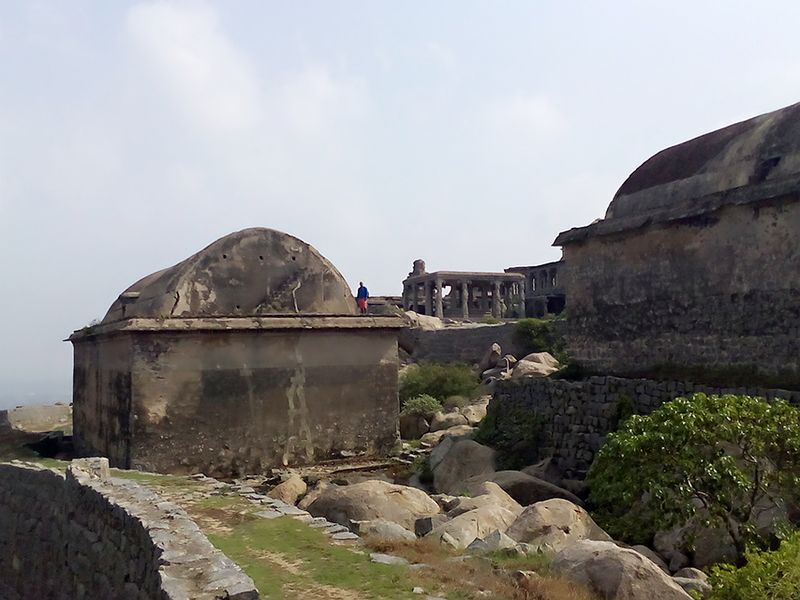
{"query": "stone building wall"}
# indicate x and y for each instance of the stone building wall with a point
(227, 402)
(572, 418)
(458, 344)
(718, 291)
(80, 537)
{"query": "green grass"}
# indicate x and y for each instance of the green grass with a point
(259, 546)
(154, 479)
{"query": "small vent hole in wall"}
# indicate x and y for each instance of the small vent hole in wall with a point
(260, 258)
(238, 307)
(294, 258)
(224, 256)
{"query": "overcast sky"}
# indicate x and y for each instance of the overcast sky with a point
(465, 133)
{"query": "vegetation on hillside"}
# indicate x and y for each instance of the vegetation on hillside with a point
(766, 576)
(716, 458)
(423, 405)
(439, 380)
(540, 335)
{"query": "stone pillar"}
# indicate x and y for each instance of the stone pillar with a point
(428, 298)
(415, 297)
(496, 299)
(464, 300)
(405, 297)
(439, 299)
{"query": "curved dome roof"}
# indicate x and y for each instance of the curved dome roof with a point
(764, 148)
(744, 162)
(255, 271)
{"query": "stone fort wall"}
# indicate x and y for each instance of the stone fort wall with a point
(572, 418)
(79, 536)
(720, 291)
(458, 344)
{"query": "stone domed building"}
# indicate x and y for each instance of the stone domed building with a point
(695, 269)
(246, 355)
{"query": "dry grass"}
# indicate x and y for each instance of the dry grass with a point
(473, 577)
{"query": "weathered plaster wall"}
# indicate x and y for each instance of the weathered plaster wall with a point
(101, 395)
(79, 537)
(717, 291)
(231, 402)
(572, 418)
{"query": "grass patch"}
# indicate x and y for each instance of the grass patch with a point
(288, 559)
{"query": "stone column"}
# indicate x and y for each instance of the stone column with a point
(405, 297)
(415, 297)
(428, 298)
(496, 299)
(439, 299)
(464, 300)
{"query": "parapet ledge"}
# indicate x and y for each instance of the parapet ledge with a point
(253, 323)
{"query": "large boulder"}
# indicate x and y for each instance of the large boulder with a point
(489, 494)
(543, 358)
(614, 573)
(695, 545)
(545, 469)
(434, 438)
(413, 427)
(290, 491)
(475, 413)
(490, 357)
(461, 531)
(554, 524)
(527, 368)
(525, 489)
(424, 322)
(384, 530)
(371, 500)
(442, 420)
(464, 459)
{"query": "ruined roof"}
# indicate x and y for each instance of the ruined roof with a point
(754, 160)
(251, 272)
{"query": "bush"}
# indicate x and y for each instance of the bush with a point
(766, 576)
(423, 405)
(438, 380)
(539, 335)
(517, 439)
(726, 455)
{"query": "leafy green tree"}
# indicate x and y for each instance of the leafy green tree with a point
(719, 459)
(423, 406)
(440, 380)
(766, 576)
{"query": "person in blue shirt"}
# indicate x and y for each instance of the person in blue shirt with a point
(361, 298)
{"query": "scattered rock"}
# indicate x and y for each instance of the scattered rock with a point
(543, 358)
(554, 524)
(443, 420)
(615, 573)
(464, 459)
(413, 427)
(490, 357)
(527, 368)
(523, 488)
(489, 494)
(691, 573)
(494, 542)
(424, 525)
(546, 470)
(424, 322)
(373, 500)
(463, 529)
(312, 495)
(693, 585)
(475, 413)
(290, 490)
(385, 530)
(387, 559)
(434, 438)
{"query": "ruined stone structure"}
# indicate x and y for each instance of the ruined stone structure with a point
(544, 293)
(470, 294)
(696, 266)
(570, 419)
(84, 536)
(244, 356)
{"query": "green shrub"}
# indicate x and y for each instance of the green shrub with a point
(726, 455)
(439, 380)
(423, 405)
(766, 576)
(539, 335)
(516, 439)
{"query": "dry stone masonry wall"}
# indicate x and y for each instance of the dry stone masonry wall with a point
(86, 535)
(572, 418)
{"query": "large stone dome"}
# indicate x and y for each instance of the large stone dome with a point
(255, 271)
(762, 149)
(757, 159)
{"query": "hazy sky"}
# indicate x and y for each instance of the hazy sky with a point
(465, 133)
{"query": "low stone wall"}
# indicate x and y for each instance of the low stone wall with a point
(458, 344)
(85, 535)
(572, 418)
